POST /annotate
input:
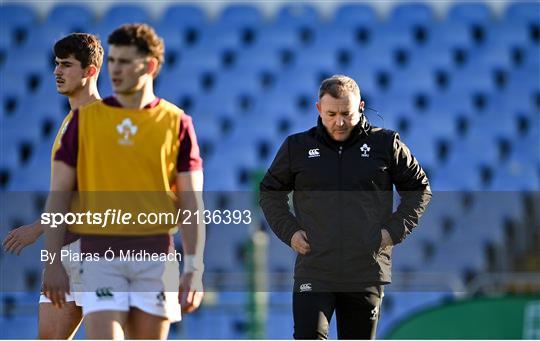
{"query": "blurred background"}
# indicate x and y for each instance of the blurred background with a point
(459, 80)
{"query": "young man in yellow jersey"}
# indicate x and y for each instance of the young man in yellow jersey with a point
(78, 59)
(139, 144)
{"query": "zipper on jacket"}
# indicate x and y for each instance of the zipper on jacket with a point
(340, 205)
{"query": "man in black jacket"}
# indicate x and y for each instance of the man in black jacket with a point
(342, 174)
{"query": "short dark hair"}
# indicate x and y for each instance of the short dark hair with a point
(338, 86)
(143, 37)
(84, 47)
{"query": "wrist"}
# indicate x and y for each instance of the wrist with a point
(193, 263)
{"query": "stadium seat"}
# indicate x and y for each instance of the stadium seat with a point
(409, 256)
(350, 15)
(470, 260)
(460, 37)
(16, 15)
(473, 13)
(374, 58)
(119, 14)
(425, 153)
(258, 59)
(201, 58)
(515, 175)
(183, 15)
(277, 37)
(297, 15)
(509, 34)
(447, 179)
(227, 256)
(235, 16)
(70, 14)
(29, 60)
(332, 37)
(227, 179)
(413, 80)
(411, 14)
(174, 37)
(392, 36)
(497, 58)
(523, 11)
(220, 37)
(16, 128)
(316, 58)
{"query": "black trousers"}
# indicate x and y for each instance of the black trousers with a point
(357, 312)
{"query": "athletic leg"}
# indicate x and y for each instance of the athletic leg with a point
(312, 312)
(142, 325)
(357, 313)
(103, 325)
(58, 323)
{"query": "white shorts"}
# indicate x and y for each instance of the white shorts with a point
(151, 286)
(73, 270)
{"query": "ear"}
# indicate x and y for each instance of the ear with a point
(318, 105)
(362, 107)
(91, 71)
(152, 66)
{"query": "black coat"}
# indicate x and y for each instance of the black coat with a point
(342, 198)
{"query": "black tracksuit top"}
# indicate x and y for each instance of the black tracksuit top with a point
(342, 198)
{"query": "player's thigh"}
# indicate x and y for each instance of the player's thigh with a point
(142, 325)
(106, 287)
(357, 314)
(312, 313)
(154, 289)
(102, 325)
(58, 323)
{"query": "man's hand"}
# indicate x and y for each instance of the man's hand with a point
(299, 242)
(21, 237)
(190, 293)
(55, 283)
(386, 240)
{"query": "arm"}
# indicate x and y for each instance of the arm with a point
(55, 280)
(274, 190)
(190, 186)
(413, 187)
(17, 239)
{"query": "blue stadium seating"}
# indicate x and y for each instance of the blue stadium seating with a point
(119, 14)
(473, 13)
(184, 15)
(412, 14)
(352, 15)
(297, 15)
(240, 16)
(16, 15)
(523, 11)
(70, 14)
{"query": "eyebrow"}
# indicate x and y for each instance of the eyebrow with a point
(341, 112)
(63, 62)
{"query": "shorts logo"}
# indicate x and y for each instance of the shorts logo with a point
(313, 153)
(161, 299)
(365, 149)
(104, 293)
(305, 287)
(126, 129)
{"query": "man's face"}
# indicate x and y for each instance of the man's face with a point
(339, 115)
(69, 75)
(127, 69)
